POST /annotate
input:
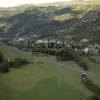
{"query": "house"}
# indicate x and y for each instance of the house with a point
(91, 49)
(86, 50)
(84, 40)
(17, 41)
(42, 41)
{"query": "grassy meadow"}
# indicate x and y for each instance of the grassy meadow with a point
(40, 81)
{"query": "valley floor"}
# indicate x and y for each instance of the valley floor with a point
(41, 80)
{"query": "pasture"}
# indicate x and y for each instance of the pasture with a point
(40, 80)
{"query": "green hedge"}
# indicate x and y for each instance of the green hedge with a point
(4, 67)
(91, 86)
(18, 62)
(94, 97)
(1, 57)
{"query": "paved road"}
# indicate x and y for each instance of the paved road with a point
(90, 74)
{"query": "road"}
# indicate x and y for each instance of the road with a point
(90, 74)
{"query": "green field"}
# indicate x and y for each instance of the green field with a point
(40, 81)
(93, 67)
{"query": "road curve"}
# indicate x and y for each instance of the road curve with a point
(90, 74)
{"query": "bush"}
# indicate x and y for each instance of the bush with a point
(93, 98)
(65, 55)
(11, 63)
(1, 57)
(85, 67)
(18, 62)
(4, 67)
(82, 63)
(93, 87)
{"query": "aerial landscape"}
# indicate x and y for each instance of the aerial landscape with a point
(50, 51)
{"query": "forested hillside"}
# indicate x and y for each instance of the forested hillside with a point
(77, 19)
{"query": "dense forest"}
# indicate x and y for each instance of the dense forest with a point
(78, 19)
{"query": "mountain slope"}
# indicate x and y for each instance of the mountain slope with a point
(78, 19)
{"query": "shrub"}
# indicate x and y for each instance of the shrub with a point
(11, 63)
(1, 57)
(82, 63)
(18, 62)
(4, 67)
(65, 55)
(94, 97)
(85, 67)
(93, 87)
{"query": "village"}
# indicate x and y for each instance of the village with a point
(34, 41)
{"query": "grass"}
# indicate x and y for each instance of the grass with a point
(93, 67)
(40, 81)
(11, 53)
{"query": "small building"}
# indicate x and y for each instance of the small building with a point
(42, 41)
(86, 50)
(91, 49)
(84, 40)
(19, 39)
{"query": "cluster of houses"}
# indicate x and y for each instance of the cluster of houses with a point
(83, 45)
